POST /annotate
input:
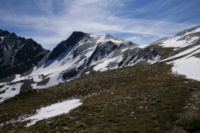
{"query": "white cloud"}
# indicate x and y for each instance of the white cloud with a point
(93, 16)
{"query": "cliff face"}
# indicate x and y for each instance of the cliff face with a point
(17, 54)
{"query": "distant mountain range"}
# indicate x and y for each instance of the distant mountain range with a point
(25, 65)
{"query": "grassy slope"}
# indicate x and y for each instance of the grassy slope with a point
(126, 100)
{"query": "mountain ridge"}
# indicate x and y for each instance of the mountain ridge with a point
(84, 53)
(80, 54)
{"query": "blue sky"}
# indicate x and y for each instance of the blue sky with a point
(140, 21)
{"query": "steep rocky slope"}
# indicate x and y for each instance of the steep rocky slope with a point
(18, 55)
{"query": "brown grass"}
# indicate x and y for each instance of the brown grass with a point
(127, 100)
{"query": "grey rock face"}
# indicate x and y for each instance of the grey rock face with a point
(65, 46)
(102, 50)
(17, 54)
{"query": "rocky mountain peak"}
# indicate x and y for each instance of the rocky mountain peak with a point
(108, 36)
(3, 33)
(17, 54)
(75, 37)
(64, 46)
(78, 34)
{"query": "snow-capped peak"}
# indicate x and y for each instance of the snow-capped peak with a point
(182, 39)
(107, 38)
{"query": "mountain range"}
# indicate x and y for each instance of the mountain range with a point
(25, 66)
(27, 63)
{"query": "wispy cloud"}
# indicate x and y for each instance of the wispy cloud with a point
(57, 20)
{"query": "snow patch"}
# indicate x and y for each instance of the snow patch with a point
(18, 78)
(154, 60)
(197, 30)
(53, 110)
(106, 38)
(53, 80)
(129, 48)
(190, 51)
(103, 65)
(143, 45)
(9, 91)
(190, 67)
(193, 31)
(1, 39)
(175, 42)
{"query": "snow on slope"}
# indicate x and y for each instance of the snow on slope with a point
(182, 39)
(8, 91)
(53, 110)
(46, 112)
(175, 42)
(193, 50)
(156, 59)
(185, 62)
(106, 38)
(190, 67)
(143, 45)
(102, 65)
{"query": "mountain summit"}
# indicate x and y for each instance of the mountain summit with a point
(65, 46)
